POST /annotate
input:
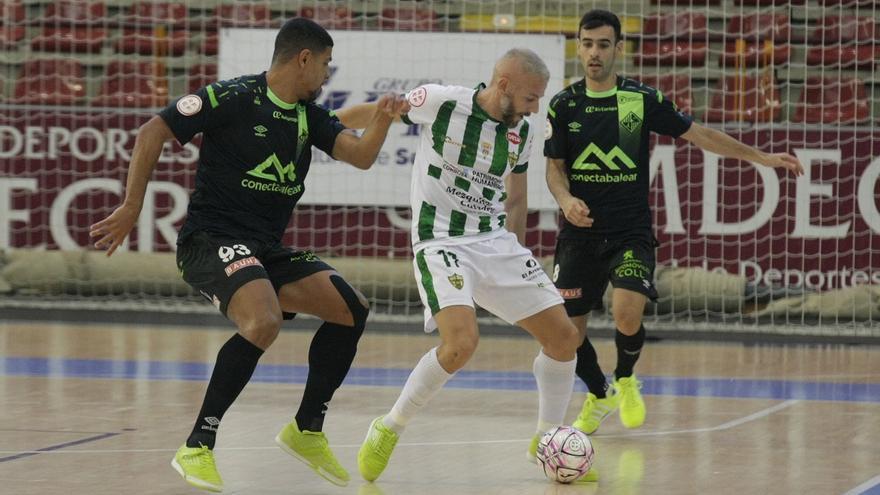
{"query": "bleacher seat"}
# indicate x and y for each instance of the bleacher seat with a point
(672, 53)
(65, 13)
(686, 3)
(210, 44)
(133, 84)
(846, 3)
(749, 98)
(50, 82)
(201, 75)
(768, 3)
(148, 14)
(70, 40)
(11, 12)
(863, 57)
(329, 16)
(685, 26)
(846, 29)
(153, 41)
(408, 19)
(776, 27)
(829, 100)
(10, 36)
(755, 54)
(243, 15)
(675, 87)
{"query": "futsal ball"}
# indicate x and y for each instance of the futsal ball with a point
(565, 454)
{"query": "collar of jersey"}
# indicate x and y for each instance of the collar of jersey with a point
(478, 110)
(602, 94)
(278, 101)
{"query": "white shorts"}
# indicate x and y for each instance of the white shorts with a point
(498, 274)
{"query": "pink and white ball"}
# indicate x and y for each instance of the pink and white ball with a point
(565, 454)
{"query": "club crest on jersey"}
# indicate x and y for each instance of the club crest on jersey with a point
(189, 105)
(456, 280)
(485, 148)
(548, 130)
(418, 96)
(513, 137)
(512, 158)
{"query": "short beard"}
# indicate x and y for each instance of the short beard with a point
(313, 96)
(508, 116)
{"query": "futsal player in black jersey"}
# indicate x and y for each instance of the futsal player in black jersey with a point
(258, 131)
(596, 146)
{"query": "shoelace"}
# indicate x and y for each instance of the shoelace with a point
(384, 448)
(203, 457)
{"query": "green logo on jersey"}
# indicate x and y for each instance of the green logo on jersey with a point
(456, 280)
(628, 255)
(609, 160)
(631, 122)
(574, 126)
(260, 131)
(282, 173)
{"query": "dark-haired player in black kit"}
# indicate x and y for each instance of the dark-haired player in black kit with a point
(597, 169)
(258, 131)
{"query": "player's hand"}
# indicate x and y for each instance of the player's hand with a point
(113, 230)
(576, 212)
(784, 160)
(393, 104)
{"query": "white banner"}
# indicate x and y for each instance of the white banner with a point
(368, 64)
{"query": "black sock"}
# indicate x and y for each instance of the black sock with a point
(589, 371)
(330, 356)
(235, 365)
(629, 347)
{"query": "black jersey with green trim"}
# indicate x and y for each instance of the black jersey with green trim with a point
(254, 156)
(604, 138)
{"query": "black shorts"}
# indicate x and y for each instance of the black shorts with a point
(217, 266)
(583, 267)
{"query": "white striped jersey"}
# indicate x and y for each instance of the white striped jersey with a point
(460, 165)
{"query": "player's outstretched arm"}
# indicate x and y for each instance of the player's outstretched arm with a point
(517, 204)
(724, 145)
(359, 116)
(362, 151)
(112, 231)
(574, 209)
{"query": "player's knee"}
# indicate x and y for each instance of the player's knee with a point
(357, 305)
(628, 322)
(262, 328)
(457, 351)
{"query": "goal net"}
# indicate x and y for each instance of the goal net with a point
(742, 248)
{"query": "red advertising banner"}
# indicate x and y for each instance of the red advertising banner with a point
(61, 170)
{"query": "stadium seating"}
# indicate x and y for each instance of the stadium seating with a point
(200, 76)
(749, 98)
(863, 57)
(243, 15)
(776, 27)
(686, 3)
(152, 41)
(768, 3)
(675, 87)
(133, 84)
(65, 13)
(70, 40)
(148, 14)
(329, 16)
(50, 82)
(829, 100)
(10, 36)
(408, 19)
(210, 45)
(846, 29)
(847, 3)
(672, 53)
(755, 54)
(11, 11)
(685, 25)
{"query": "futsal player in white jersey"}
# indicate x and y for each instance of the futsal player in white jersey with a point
(472, 160)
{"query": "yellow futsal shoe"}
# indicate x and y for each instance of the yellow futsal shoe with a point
(632, 407)
(594, 411)
(196, 465)
(532, 453)
(311, 448)
(376, 450)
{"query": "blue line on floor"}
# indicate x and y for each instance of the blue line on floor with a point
(58, 446)
(746, 388)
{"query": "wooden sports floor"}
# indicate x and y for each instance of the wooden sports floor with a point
(100, 409)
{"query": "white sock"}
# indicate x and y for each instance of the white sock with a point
(555, 383)
(426, 379)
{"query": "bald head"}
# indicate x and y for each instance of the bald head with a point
(520, 61)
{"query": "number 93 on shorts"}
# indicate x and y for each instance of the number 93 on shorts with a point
(497, 273)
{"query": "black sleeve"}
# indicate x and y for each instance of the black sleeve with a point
(555, 134)
(208, 108)
(324, 126)
(663, 116)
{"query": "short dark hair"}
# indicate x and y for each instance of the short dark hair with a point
(300, 34)
(598, 18)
